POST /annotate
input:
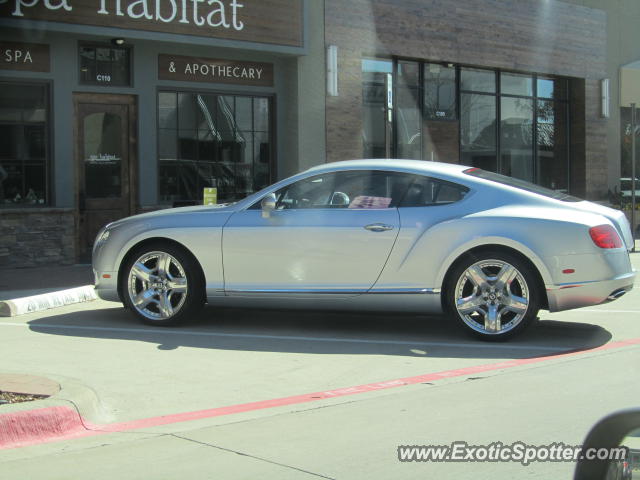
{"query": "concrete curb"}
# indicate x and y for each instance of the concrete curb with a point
(27, 427)
(36, 303)
(70, 413)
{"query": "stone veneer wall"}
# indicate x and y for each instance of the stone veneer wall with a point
(33, 237)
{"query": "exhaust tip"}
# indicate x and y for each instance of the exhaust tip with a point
(616, 294)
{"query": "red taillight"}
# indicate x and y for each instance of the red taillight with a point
(605, 236)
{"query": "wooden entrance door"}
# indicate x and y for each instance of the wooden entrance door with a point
(105, 141)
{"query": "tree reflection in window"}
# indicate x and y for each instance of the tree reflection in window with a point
(209, 140)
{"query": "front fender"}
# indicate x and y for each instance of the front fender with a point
(205, 243)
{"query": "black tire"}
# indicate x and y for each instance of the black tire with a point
(162, 284)
(483, 304)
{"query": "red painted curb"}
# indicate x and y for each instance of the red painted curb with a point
(28, 427)
(44, 425)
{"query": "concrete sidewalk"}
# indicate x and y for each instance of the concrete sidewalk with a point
(23, 282)
(65, 397)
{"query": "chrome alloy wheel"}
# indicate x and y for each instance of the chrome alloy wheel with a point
(492, 297)
(157, 285)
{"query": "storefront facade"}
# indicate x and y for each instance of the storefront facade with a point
(113, 108)
(512, 87)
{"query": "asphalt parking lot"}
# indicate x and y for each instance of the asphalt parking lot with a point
(246, 393)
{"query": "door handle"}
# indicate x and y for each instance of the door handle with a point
(378, 227)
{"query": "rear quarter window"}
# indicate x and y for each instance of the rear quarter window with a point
(427, 192)
(521, 185)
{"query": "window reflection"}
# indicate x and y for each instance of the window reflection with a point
(408, 114)
(516, 137)
(439, 92)
(209, 140)
(376, 75)
(23, 143)
(102, 155)
(552, 88)
(105, 65)
(516, 84)
(478, 131)
(476, 80)
(516, 124)
(552, 144)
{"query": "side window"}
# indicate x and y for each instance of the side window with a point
(371, 188)
(358, 189)
(425, 192)
(313, 192)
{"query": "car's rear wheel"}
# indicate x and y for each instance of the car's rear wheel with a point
(162, 284)
(493, 296)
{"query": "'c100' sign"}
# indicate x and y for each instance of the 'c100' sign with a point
(264, 21)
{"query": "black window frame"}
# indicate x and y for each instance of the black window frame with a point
(564, 100)
(49, 142)
(456, 81)
(535, 99)
(95, 46)
(272, 133)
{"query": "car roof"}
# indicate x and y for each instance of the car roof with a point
(414, 166)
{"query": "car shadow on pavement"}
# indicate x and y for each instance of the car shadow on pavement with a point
(324, 333)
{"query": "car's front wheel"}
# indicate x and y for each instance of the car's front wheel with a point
(494, 296)
(162, 284)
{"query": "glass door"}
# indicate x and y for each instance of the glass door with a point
(104, 147)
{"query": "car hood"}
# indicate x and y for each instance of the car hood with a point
(168, 212)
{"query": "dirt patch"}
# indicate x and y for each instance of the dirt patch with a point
(9, 397)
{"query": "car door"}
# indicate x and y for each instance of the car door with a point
(330, 233)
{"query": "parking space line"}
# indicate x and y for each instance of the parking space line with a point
(595, 310)
(44, 436)
(477, 345)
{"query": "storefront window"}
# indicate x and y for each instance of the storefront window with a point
(552, 88)
(376, 82)
(408, 111)
(552, 144)
(474, 80)
(512, 123)
(516, 137)
(478, 131)
(24, 144)
(209, 140)
(531, 141)
(105, 65)
(478, 119)
(439, 92)
(516, 84)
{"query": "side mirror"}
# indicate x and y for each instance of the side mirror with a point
(268, 205)
(615, 434)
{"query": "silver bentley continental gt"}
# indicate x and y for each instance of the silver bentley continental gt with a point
(395, 235)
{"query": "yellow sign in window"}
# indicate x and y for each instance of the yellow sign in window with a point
(210, 196)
